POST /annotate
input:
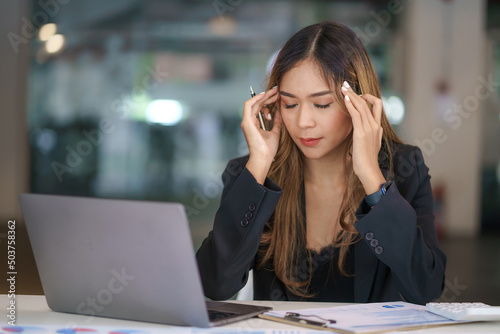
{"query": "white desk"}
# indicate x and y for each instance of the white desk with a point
(33, 310)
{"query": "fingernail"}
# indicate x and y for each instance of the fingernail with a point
(269, 116)
(261, 93)
(344, 89)
(346, 85)
(347, 98)
(274, 86)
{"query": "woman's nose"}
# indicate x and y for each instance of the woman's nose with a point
(306, 118)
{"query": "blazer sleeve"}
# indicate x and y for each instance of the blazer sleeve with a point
(401, 233)
(227, 254)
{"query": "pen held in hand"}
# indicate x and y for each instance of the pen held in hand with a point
(252, 94)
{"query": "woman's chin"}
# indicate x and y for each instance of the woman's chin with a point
(313, 154)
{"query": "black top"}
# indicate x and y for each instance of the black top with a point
(396, 258)
(327, 283)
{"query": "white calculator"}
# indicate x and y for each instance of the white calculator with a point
(465, 311)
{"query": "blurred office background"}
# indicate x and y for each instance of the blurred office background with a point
(142, 99)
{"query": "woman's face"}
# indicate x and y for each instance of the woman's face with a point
(316, 123)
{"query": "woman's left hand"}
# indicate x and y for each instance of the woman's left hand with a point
(367, 137)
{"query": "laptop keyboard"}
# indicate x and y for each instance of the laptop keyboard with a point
(214, 315)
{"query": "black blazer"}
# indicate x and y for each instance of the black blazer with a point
(397, 258)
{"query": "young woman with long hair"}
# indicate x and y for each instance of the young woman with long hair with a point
(329, 205)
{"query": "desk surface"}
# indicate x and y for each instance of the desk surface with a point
(33, 310)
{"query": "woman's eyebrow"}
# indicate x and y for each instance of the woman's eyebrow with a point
(325, 92)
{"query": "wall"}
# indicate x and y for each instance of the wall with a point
(446, 39)
(14, 148)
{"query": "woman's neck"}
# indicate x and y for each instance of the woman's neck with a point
(327, 171)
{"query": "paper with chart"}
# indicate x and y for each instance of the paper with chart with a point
(371, 317)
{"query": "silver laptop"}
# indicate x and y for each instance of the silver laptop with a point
(122, 259)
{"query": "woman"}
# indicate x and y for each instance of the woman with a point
(329, 205)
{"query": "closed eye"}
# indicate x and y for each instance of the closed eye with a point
(322, 106)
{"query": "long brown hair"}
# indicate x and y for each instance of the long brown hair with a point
(341, 56)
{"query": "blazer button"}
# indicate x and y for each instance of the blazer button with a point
(379, 250)
(244, 222)
(374, 242)
(251, 207)
(248, 215)
(369, 236)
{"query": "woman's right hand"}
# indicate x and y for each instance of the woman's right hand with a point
(262, 144)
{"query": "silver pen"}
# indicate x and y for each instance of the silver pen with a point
(252, 94)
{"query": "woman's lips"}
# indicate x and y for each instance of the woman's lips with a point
(309, 141)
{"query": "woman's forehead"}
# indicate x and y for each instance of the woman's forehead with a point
(305, 76)
(304, 79)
